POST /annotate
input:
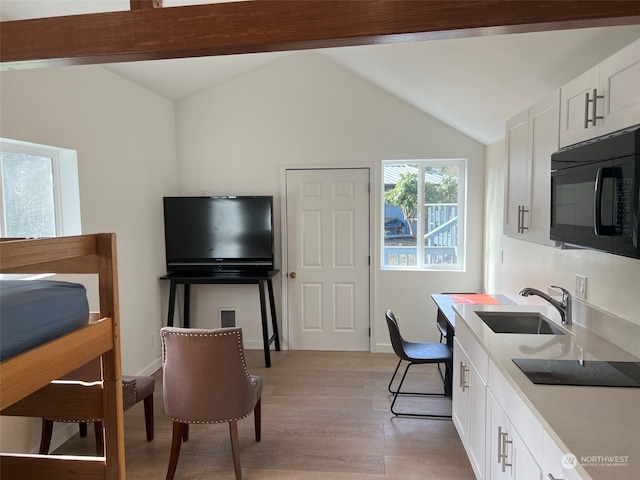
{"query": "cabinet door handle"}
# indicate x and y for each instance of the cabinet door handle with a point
(502, 448)
(464, 384)
(551, 477)
(586, 110)
(504, 452)
(521, 211)
(594, 108)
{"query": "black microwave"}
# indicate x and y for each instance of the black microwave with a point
(595, 193)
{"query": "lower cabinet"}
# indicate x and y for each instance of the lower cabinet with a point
(508, 456)
(556, 464)
(501, 435)
(468, 408)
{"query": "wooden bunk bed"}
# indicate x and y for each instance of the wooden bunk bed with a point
(25, 380)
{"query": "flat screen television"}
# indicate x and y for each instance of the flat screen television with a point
(210, 234)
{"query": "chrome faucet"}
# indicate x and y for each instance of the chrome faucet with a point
(564, 306)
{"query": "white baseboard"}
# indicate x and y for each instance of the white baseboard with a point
(152, 368)
(257, 345)
(384, 348)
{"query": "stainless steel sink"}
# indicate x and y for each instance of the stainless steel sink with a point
(530, 323)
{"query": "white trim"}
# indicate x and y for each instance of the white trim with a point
(3, 218)
(66, 189)
(69, 193)
(370, 166)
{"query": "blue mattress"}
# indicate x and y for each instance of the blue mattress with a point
(32, 312)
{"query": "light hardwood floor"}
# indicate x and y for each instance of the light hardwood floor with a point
(324, 415)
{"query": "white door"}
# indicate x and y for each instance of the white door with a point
(327, 214)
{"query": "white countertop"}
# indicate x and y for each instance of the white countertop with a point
(586, 421)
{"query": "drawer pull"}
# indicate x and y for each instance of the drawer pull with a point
(464, 370)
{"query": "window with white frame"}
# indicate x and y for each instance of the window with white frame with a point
(423, 209)
(39, 191)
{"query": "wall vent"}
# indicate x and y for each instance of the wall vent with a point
(227, 317)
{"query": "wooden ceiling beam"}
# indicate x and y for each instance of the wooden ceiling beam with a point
(268, 25)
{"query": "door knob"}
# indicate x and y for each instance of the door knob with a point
(293, 275)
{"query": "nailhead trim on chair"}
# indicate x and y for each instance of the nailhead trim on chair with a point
(135, 390)
(180, 420)
(83, 420)
(244, 366)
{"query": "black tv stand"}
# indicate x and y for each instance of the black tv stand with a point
(248, 277)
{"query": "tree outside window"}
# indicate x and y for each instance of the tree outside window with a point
(426, 234)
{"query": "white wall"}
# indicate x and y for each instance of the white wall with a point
(236, 138)
(613, 281)
(125, 139)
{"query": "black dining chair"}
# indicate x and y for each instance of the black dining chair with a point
(419, 353)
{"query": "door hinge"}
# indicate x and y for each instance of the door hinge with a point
(369, 332)
(369, 187)
(369, 260)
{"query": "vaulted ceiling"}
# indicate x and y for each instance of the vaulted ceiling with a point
(473, 84)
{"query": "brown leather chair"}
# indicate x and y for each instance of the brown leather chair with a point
(134, 389)
(206, 381)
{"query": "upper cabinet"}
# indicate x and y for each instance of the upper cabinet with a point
(604, 99)
(531, 137)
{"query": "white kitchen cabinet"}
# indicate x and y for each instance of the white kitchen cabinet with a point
(531, 137)
(604, 99)
(508, 457)
(556, 463)
(461, 401)
(516, 173)
(468, 408)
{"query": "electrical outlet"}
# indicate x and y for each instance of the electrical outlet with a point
(581, 287)
(154, 340)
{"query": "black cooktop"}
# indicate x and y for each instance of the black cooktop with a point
(592, 373)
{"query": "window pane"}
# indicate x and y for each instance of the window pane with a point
(441, 215)
(424, 214)
(28, 195)
(400, 215)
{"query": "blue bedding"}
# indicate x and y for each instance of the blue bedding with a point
(32, 312)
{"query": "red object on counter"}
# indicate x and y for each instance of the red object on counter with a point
(474, 299)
